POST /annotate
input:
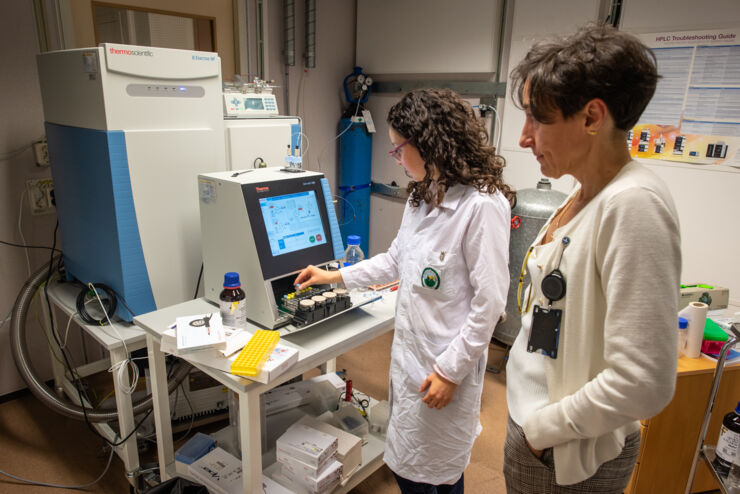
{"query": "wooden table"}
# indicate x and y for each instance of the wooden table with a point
(669, 438)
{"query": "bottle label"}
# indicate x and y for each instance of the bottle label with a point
(234, 314)
(683, 334)
(728, 444)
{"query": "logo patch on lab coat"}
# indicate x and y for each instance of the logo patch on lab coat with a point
(430, 278)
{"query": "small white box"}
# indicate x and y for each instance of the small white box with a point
(329, 477)
(269, 486)
(284, 400)
(349, 446)
(302, 468)
(219, 471)
(334, 379)
(200, 332)
(307, 445)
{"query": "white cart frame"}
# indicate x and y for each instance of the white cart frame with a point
(316, 346)
(63, 297)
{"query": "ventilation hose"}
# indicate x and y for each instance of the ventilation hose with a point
(37, 386)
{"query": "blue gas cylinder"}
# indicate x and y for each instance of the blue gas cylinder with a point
(355, 152)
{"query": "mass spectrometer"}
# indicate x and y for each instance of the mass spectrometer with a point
(129, 129)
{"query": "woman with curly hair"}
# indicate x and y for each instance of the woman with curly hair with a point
(451, 256)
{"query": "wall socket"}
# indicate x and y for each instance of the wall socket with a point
(40, 195)
(41, 152)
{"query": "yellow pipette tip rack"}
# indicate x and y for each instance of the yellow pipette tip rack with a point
(253, 356)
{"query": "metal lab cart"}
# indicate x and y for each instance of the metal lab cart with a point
(703, 451)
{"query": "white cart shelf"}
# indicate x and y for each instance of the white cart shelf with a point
(316, 346)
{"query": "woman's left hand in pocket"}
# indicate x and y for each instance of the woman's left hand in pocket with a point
(537, 452)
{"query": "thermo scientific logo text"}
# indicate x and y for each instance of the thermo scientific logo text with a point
(138, 53)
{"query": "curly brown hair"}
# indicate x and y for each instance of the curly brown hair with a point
(450, 140)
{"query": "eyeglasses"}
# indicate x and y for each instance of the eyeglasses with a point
(396, 151)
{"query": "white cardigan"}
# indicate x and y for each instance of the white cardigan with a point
(617, 353)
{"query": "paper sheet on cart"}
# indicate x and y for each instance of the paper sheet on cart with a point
(281, 358)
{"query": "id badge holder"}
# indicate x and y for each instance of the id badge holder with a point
(545, 333)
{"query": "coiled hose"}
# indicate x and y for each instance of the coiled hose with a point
(37, 386)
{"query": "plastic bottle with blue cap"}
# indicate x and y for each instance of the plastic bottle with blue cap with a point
(353, 254)
(683, 333)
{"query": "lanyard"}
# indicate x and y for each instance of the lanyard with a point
(553, 285)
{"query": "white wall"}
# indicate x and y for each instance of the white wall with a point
(561, 16)
(453, 38)
(21, 122)
(317, 92)
(385, 212)
(706, 197)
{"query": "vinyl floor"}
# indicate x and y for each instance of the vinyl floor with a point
(37, 443)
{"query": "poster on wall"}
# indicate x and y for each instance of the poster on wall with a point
(694, 116)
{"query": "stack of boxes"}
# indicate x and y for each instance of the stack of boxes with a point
(308, 460)
(349, 446)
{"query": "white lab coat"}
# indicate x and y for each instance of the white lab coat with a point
(453, 267)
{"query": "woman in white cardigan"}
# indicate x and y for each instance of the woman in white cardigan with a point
(597, 349)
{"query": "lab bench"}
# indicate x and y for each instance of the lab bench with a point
(316, 346)
(668, 441)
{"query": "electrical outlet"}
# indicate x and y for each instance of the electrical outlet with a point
(41, 152)
(40, 194)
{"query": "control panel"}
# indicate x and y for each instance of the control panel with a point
(243, 105)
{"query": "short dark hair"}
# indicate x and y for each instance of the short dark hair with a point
(597, 61)
(450, 139)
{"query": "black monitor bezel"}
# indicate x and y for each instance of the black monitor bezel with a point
(276, 266)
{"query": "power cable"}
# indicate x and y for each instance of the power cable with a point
(76, 382)
(23, 246)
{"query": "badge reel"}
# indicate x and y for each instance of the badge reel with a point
(545, 333)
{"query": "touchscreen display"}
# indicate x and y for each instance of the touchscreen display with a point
(293, 222)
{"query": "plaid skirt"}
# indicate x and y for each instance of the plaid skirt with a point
(527, 474)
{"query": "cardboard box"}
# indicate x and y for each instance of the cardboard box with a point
(298, 393)
(349, 446)
(219, 471)
(269, 486)
(716, 297)
(327, 478)
(307, 444)
(301, 468)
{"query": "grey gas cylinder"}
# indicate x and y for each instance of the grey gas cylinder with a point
(530, 212)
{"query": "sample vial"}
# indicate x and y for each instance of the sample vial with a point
(232, 302)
